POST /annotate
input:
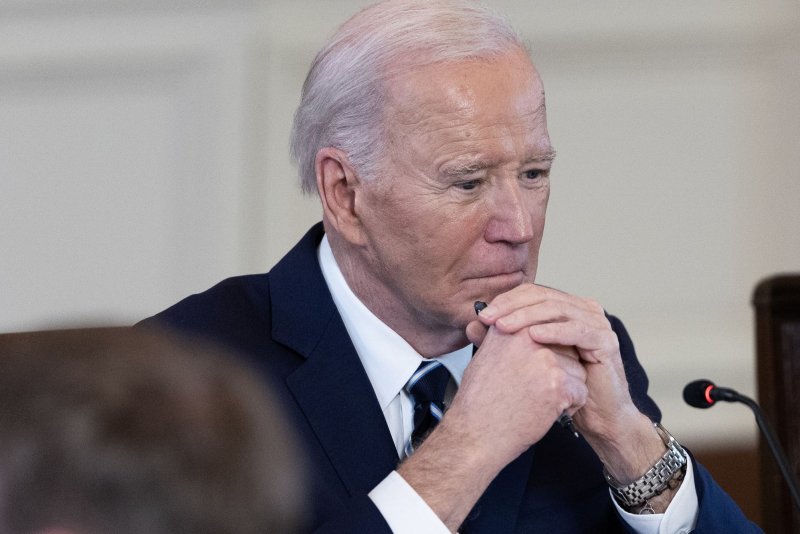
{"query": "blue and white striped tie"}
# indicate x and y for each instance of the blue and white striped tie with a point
(426, 387)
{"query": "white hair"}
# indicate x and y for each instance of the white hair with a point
(345, 92)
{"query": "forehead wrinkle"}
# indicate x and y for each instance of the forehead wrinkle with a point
(428, 113)
(431, 116)
(454, 121)
(486, 147)
(466, 134)
(456, 107)
(428, 117)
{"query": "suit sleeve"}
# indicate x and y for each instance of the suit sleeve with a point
(361, 515)
(718, 512)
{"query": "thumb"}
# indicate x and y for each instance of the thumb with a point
(476, 331)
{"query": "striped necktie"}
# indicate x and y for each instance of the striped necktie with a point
(426, 387)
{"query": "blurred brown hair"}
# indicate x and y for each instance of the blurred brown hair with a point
(130, 431)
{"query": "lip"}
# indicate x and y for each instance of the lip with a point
(509, 277)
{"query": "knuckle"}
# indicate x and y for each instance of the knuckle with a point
(558, 380)
(556, 329)
(561, 309)
(584, 329)
(613, 341)
(594, 305)
(583, 394)
(499, 300)
(547, 357)
(579, 371)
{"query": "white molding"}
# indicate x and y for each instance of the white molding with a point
(197, 64)
(61, 8)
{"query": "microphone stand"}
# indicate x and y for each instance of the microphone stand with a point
(774, 445)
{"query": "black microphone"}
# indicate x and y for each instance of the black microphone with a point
(704, 394)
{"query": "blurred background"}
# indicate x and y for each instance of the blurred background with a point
(144, 157)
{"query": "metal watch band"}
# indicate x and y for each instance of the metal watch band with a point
(656, 479)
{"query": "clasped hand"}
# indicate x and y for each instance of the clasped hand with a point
(545, 352)
(541, 352)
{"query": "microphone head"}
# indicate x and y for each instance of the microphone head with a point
(698, 393)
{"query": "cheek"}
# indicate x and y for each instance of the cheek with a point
(436, 247)
(389, 219)
(538, 210)
(455, 245)
(427, 226)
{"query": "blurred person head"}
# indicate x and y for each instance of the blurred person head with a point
(131, 431)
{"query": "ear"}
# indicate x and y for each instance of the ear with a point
(338, 185)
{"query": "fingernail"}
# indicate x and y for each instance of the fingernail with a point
(488, 312)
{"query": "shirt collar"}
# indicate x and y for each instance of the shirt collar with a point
(387, 358)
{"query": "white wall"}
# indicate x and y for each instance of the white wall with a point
(144, 156)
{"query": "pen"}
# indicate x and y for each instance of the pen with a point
(564, 420)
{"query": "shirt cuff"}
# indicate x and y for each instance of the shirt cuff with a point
(403, 509)
(679, 517)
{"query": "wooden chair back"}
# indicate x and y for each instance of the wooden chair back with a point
(777, 309)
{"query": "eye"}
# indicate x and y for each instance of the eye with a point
(467, 185)
(533, 174)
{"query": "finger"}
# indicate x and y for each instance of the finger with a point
(565, 380)
(520, 296)
(593, 344)
(564, 365)
(531, 294)
(576, 397)
(567, 351)
(550, 311)
(570, 364)
(476, 332)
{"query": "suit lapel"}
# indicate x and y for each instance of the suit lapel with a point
(331, 387)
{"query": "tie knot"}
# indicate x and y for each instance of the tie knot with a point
(429, 382)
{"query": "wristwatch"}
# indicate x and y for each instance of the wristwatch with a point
(656, 480)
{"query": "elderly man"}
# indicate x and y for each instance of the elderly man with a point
(422, 127)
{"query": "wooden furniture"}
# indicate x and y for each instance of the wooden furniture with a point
(777, 308)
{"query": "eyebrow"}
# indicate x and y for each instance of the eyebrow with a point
(467, 168)
(550, 155)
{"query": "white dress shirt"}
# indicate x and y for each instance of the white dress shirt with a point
(389, 362)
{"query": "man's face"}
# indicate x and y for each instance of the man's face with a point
(457, 212)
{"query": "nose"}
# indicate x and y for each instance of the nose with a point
(510, 218)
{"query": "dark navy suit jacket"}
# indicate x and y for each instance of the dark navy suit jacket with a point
(286, 325)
